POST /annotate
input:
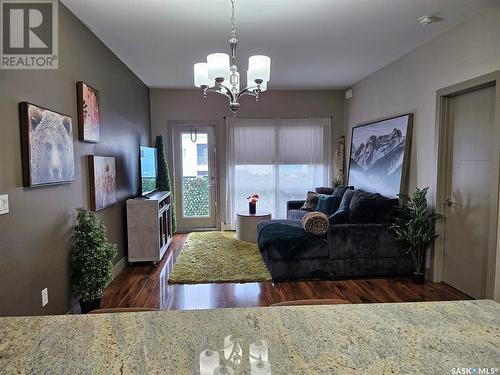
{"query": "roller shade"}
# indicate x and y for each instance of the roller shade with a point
(280, 159)
(253, 141)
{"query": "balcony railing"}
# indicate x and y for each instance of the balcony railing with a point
(196, 196)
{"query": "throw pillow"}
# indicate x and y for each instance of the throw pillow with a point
(340, 190)
(363, 208)
(346, 198)
(315, 223)
(327, 204)
(341, 216)
(311, 201)
(387, 209)
(325, 190)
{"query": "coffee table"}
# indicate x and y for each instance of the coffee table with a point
(246, 224)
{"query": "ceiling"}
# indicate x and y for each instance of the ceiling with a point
(313, 44)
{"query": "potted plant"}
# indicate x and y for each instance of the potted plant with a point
(92, 260)
(415, 228)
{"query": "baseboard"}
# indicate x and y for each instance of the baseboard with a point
(118, 267)
(428, 274)
(189, 230)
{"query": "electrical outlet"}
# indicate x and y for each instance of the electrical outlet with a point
(45, 297)
(4, 204)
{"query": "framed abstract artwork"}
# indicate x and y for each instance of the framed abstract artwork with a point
(88, 113)
(46, 145)
(102, 179)
(379, 157)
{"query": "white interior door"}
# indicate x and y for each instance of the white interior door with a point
(194, 177)
(470, 228)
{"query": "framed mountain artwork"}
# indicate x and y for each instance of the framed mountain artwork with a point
(379, 157)
(47, 146)
(88, 113)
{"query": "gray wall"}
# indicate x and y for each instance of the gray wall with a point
(35, 235)
(409, 84)
(189, 106)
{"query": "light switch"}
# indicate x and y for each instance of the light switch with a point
(4, 204)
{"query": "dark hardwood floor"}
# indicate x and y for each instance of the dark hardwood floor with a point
(144, 285)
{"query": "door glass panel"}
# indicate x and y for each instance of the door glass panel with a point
(195, 175)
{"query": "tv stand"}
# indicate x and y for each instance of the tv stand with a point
(149, 227)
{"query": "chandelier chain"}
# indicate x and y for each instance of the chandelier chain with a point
(233, 29)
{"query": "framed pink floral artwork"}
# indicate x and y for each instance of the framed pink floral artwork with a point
(88, 113)
(102, 171)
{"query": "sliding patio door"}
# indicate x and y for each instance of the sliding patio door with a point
(194, 177)
(279, 159)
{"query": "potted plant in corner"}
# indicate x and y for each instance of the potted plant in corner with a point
(92, 260)
(415, 228)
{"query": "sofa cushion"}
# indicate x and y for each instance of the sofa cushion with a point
(327, 204)
(311, 201)
(371, 208)
(296, 214)
(387, 209)
(325, 190)
(341, 216)
(363, 208)
(363, 241)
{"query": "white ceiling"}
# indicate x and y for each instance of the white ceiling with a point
(313, 44)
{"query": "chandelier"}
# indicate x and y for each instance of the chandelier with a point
(220, 74)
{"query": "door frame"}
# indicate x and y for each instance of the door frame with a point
(173, 127)
(444, 164)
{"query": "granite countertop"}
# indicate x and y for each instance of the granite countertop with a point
(398, 338)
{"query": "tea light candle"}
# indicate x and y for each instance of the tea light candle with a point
(259, 349)
(209, 361)
(260, 367)
(223, 370)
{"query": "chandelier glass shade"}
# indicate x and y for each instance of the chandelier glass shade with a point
(220, 74)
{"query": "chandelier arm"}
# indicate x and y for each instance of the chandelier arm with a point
(217, 91)
(228, 92)
(250, 91)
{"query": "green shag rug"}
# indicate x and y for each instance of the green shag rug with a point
(212, 257)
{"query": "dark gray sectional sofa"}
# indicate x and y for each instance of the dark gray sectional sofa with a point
(349, 249)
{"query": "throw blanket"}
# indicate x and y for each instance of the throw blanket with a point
(290, 240)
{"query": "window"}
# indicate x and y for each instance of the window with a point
(202, 154)
(280, 159)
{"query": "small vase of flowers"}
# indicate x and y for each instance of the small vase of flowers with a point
(252, 203)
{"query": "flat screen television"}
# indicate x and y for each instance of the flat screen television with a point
(148, 169)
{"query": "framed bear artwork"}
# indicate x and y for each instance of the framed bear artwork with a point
(47, 146)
